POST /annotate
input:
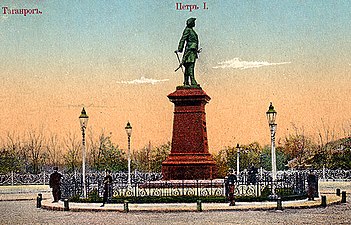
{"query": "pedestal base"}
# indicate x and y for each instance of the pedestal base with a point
(190, 166)
(189, 158)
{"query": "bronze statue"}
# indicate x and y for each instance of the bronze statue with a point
(190, 54)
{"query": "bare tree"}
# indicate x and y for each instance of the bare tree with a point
(221, 158)
(96, 150)
(141, 159)
(327, 134)
(346, 127)
(10, 158)
(158, 155)
(54, 151)
(34, 146)
(15, 145)
(72, 157)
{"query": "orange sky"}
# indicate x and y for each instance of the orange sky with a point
(295, 54)
(235, 114)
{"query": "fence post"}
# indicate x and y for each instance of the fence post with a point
(258, 189)
(324, 201)
(44, 177)
(65, 205)
(182, 187)
(164, 189)
(224, 189)
(197, 188)
(135, 190)
(343, 197)
(211, 187)
(323, 173)
(338, 192)
(279, 204)
(199, 206)
(39, 198)
(126, 208)
(12, 178)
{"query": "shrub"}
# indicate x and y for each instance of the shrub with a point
(94, 196)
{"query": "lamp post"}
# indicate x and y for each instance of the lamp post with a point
(83, 118)
(271, 116)
(129, 134)
(237, 159)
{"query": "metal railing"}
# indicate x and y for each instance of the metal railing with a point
(294, 183)
(245, 185)
(24, 179)
(150, 184)
(138, 177)
(43, 178)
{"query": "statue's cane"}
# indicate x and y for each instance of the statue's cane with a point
(180, 64)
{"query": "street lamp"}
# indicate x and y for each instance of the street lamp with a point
(237, 159)
(271, 116)
(83, 118)
(129, 134)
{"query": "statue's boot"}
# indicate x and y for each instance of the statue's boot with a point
(193, 81)
(186, 80)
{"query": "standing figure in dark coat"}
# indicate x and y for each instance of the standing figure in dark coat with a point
(107, 187)
(231, 187)
(252, 174)
(191, 49)
(312, 182)
(54, 182)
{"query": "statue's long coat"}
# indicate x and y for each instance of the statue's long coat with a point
(192, 42)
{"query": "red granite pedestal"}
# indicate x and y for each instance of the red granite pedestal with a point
(189, 158)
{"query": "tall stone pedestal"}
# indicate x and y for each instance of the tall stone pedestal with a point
(189, 158)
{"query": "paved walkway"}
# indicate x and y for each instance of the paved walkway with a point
(25, 212)
(24, 192)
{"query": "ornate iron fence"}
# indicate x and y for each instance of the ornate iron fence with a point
(151, 184)
(72, 185)
(24, 179)
(172, 188)
(293, 183)
(334, 175)
(287, 183)
(93, 177)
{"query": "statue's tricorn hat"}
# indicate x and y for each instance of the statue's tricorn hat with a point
(190, 20)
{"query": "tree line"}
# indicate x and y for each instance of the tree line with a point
(32, 152)
(296, 151)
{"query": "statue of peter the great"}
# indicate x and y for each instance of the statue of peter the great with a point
(190, 53)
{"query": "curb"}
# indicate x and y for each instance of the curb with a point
(334, 200)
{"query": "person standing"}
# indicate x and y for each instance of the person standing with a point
(252, 174)
(191, 50)
(232, 179)
(311, 181)
(54, 183)
(107, 187)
